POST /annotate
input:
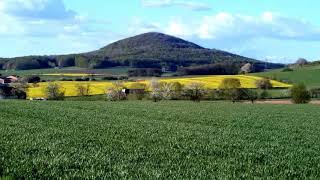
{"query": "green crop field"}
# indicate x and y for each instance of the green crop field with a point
(308, 75)
(116, 71)
(167, 140)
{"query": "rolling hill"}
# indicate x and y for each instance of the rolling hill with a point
(149, 50)
(308, 75)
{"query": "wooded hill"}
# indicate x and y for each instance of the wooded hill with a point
(150, 50)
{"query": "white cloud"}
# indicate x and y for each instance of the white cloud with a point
(32, 18)
(236, 27)
(198, 6)
(49, 23)
(36, 9)
(242, 34)
(176, 28)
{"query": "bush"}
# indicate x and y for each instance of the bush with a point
(194, 91)
(54, 92)
(33, 79)
(300, 94)
(287, 69)
(171, 90)
(315, 93)
(231, 88)
(249, 94)
(217, 94)
(109, 78)
(264, 84)
(263, 94)
(19, 94)
(83, 89)
(65, 79)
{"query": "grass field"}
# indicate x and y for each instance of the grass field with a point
(67, 72)
(167, 140)
(96, 88)
(308, 75)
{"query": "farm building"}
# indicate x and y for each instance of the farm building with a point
(10, 79)
(133, 91)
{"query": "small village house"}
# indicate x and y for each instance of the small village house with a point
(11, 79)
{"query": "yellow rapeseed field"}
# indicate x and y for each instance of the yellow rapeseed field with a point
(96, 88)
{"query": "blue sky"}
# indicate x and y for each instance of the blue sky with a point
(273, 30)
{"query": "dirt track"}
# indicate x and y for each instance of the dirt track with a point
(317, 102)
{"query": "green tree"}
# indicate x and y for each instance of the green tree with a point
(300, 94)
(81, 61)
(55, 92)
(231, 88)
(264, 84)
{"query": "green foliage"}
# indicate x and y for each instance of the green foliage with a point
(287, 69)
(166, 140)
(231, 89)
(66, 61)
(264, 84)
(81, 61)
(300, 94)
(230, 83)
(263, 94)
(6, 178)
(54, 92)
(315, 93)
(249, 94)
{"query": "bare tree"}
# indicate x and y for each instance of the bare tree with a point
(194, 91)
(156, 93)
(176, 90)
(167, 90)
(54, 92)
(115, 92)
(264, 84)
(83, 89)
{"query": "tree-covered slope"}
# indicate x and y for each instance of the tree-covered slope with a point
(161, 47)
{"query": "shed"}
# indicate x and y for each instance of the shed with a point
(11, 79)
